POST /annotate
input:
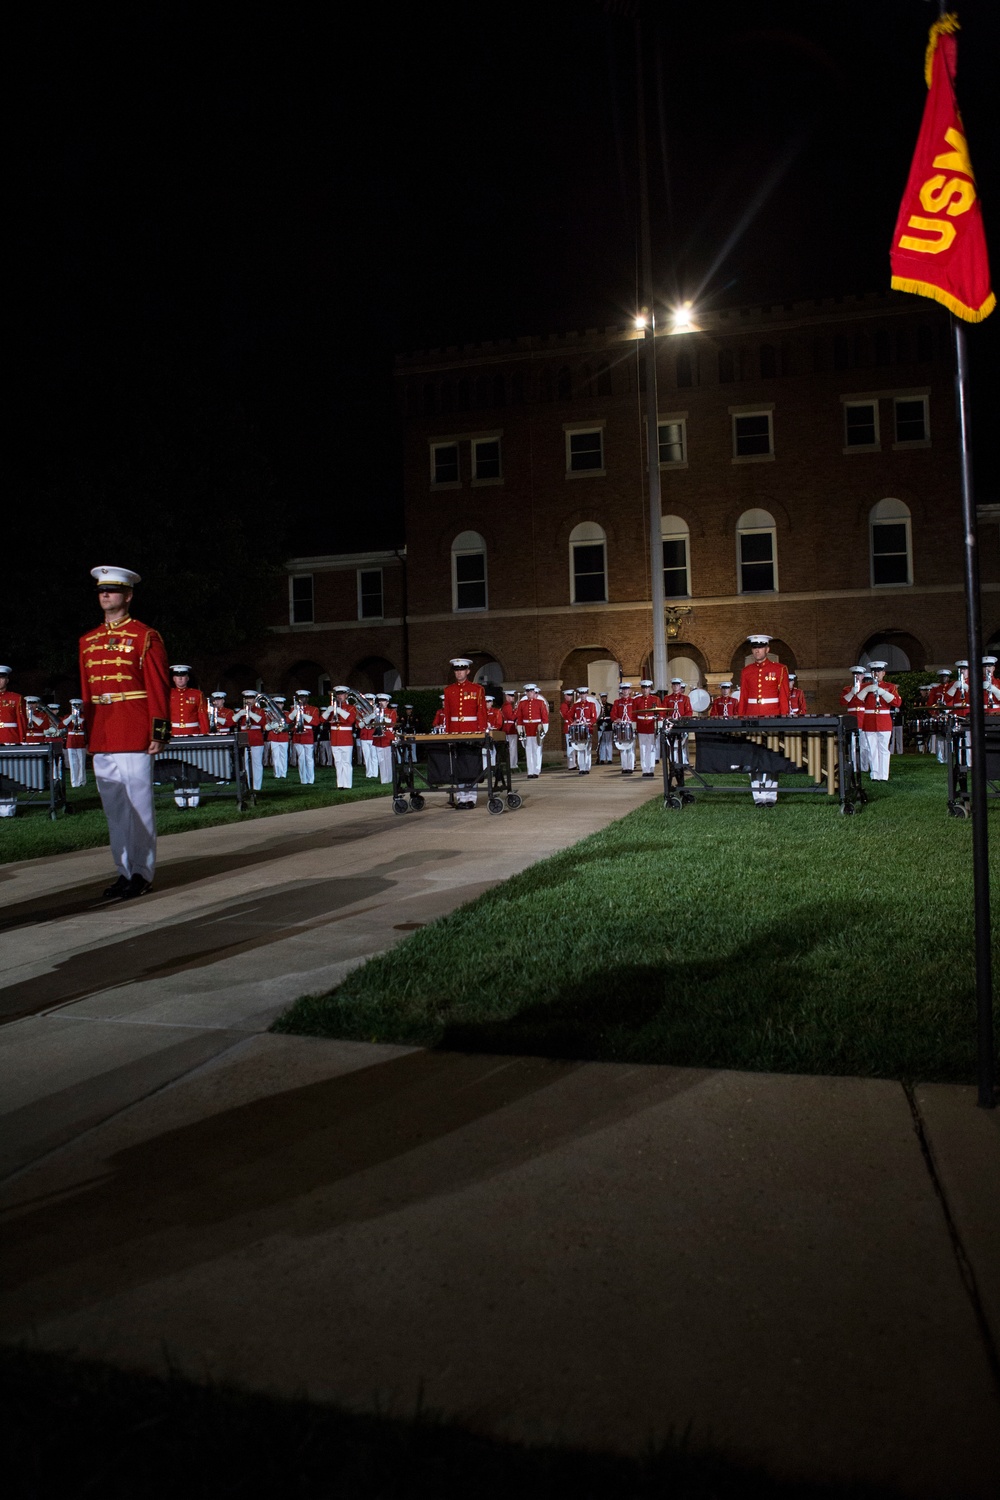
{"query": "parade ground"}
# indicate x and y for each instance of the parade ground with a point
(799, 1272)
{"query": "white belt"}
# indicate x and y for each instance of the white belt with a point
(764, 700)
(8, 724)
(188, 724)
(467, 718)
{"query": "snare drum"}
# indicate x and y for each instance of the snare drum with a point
(624, 733)
(579, 733)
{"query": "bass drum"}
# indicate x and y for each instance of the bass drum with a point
(701, 701)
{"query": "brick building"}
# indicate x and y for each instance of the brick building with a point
(810, 487)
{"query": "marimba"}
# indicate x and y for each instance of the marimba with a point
(214, 758)
(34, 773)
(958, 759)
(446, 761)
(825, 749)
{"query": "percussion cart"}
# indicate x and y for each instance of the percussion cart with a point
(213, 761)
(35, 775)
(826, 749)
(957, 736)
(447, 761)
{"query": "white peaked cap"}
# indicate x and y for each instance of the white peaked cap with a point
(76, 700)
(944, 671)
(179, 667)
(648, 681)
(877, 666)
(760, 640)
(488, 698)
(279, 698)
(793, 677)
(509, 692)
(725, 684)
(341, 688)
(217, 694)
(6, 671)
(456, 661)
(583, 690)
(626, 684)
(302, 692)
(531, 687)
(30, 698)
(115, 577)
(249, 693)
(677, 679)
(961, 664)
(861, 670)
(383, 697)
(989, 661)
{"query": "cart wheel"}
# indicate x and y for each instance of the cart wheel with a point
(687, 798)
(848, 809)
(673, 803)
(959, 809)
(417, 802)
(400, 805)
(495, 805)
(513, 801)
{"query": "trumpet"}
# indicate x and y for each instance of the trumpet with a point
(213, 719)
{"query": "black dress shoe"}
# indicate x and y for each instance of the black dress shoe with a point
(137, 886)
(118, 889)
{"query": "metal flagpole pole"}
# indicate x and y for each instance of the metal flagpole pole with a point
(980, 828)
(649, 351)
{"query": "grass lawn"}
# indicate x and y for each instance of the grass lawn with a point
(76, 1428)
(33, 833)
(788, 940)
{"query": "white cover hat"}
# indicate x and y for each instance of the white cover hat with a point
(217, 694)
(341, 688)
(115, 577)
(648, 681)
(677, 679)
(456, 661)
(531, 687)
(725, 684)
(760, 640)
(179, 668)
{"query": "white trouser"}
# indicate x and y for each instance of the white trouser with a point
(583, 755)
(533, 754)
(370, 757)
(570, 753)
(77, 762)
(307, 764)
(125, 784)
(647, 753)
(605, 747)
(512, 750)
(490, 756)
(764, 789)
(342, 763)
(466, 792)
(279, 758)
(384, 754)
(187, 794)
(627, 753)
(877, 741)
(255, 766)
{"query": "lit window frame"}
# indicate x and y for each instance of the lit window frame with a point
(672, 419)
(478, 481)
(477, 551)
(853, 403)
(903, 520)
(445, 484)
(580, 429)
(760, 409)
(361, 572)
(742, 531)
(677, 536)
(912, 397)
(293, 604)
(585, 541)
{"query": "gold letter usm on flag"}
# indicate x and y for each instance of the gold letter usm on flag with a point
(939, 245)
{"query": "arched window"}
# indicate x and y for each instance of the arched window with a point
(676, 557)
(468, 571)
(588, 567)
(891, 549)
(756, 553)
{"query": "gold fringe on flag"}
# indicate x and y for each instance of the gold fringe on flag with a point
(946, 26)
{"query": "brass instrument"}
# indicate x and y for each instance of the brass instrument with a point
(213, 718)
(74, 721)
(53, 727)
(275, 721)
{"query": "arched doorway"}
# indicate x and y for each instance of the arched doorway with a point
(900, 651)
(683, 660)
(375, 674)
(486, 669)
(594, 666)
(237, 677)
(305, 674)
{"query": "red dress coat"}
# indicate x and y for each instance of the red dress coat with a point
(13, 725)
(678, 706)
(188, 712)
(465, 708)
(797, 705)
(125, 687)
(643, 712)
(878, 711)
(341, 721)
(764, 690)
(531, 712)
(724, 708)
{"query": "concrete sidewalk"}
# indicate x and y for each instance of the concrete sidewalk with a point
(804, 1270)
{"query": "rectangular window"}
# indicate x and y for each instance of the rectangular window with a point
(486, 459)
(672, 443)
(301, 599)
(861, 424)
(470, 580)
(756, 562)
(675, 568)
(752, 435)
(890, 552)
(585, 451)
(589, 578)
(911, 419)
(444, 463)
(370, 603)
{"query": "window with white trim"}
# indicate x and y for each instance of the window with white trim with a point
(444, 464)
(891, 543)
(861, 431)
(753, 435)
(370, 596)
(588, 564)
(301, 607)
(468, 571)
(911, 421)
(486, 465)
(585, 450)
(672, 441)
(676, 557)
(756, 553)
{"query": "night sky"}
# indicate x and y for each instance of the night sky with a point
(231, 217)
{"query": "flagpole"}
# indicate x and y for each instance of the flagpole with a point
(977, 725)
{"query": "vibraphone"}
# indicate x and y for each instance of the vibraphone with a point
(826, 750)
(958, 750)
(446, 761)
(206, 758)
(34, 773)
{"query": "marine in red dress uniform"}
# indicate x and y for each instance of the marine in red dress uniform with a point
(646, 708)
(585, 711)
(763, 695)
(622, 714)
(188, 717)
(304, 719)
(797, 705)
(385, 734)
(13, 726)
(566, 715)
(220, 718)
(879, 698)
(76, 743)
(725, 706)
(125, 691)
(342, 717)
(464, 713)
(508, 723)
(532, 716)
(35, 722)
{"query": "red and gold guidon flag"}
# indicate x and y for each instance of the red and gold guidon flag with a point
(939, 244)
